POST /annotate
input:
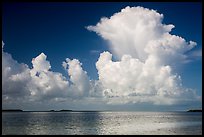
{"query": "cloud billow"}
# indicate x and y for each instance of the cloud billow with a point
(22, 84)
(139, 32)
(145, 50)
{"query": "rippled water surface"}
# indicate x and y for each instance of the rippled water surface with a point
(81, 123)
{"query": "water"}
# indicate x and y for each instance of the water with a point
(102, 123)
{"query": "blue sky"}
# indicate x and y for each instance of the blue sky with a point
(58, 30)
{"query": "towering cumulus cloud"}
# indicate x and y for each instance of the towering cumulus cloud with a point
(78, 77)
(139, 32)
(145, 50)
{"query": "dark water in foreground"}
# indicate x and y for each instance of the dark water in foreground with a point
(81, 123)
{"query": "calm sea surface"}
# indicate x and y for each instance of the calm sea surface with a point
(83, 123)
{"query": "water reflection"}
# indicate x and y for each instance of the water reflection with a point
(93, 123)
(12, 124)
(72, 123)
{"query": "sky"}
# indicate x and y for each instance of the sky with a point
(136, 56)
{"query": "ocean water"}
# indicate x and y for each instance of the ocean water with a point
(102, 123)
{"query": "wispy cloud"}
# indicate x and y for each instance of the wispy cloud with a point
(95, 51)
(196, 53)
(192, 56)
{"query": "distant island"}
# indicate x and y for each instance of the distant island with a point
(52, 110)
(19, 110)
(12, 110)
(63, 110)
(195, 110)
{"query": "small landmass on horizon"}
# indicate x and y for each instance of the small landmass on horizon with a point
(12, 110)
(194, 110)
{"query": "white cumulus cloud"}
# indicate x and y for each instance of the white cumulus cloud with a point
(139, 32)
(143, 72)
(15, 75)
(40, 63)
(78, 77)
(146, 52)
(131, 80)
(22, 85)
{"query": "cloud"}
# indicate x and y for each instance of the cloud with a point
(78, 77)
(131, 80)
(139, 32)
(2, 44)
(38, 84)
(19, 81)
(14, 77)
(40, 64)
(146, 53)
(94, 51)
(143, 73)
(192, 55)
(21, 84)
(196, 53)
